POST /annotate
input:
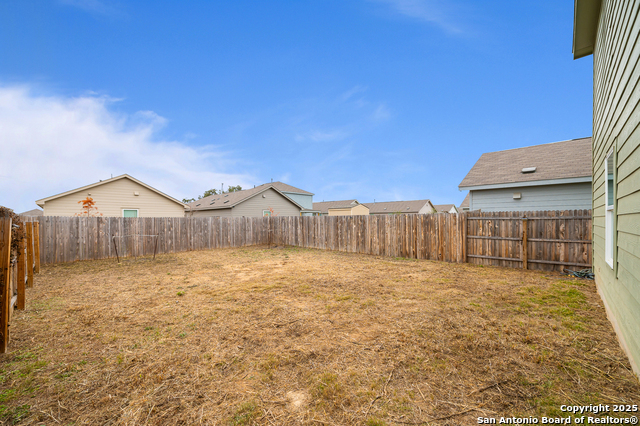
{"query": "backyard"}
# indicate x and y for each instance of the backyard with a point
(272, 336)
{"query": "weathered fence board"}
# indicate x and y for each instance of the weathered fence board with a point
(17, 265)
(30, 244)
(5, 281)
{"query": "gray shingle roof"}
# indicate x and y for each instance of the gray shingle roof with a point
(283, 187)
(34, 212)
(230, 199)
(413, 206)
(324, 206)
(465, 202)
(443, 208)
(558, 160)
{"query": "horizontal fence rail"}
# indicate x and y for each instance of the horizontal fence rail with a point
(530, 240)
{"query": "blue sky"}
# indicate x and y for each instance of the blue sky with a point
(365, 99)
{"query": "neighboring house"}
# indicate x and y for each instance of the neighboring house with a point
(445, 208)
(464, 206)
(341, 208)
(32, 213)
(263, 200)
(122, 196)
(300, 196)
(609, 29)
(553, 176)
(397, 207)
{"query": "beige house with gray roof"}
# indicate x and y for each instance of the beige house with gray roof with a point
(123, 196)
(446, 208)
(553, 176)
(341, 208)
(264, 200)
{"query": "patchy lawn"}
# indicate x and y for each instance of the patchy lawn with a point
(295, 336)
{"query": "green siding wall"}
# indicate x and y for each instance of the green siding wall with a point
(616, 116)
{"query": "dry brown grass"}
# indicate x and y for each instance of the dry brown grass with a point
(293, 336)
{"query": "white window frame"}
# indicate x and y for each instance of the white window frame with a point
(266, 213)
(609, 211)
(136, 210)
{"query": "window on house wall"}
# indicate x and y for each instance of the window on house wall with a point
(609, 195)
(129, 213)
(266, 213)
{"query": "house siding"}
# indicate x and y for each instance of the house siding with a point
(616, 116)
(358, 210)
(254, 206)
(305, 201)
(339, 212)
(427, 209)
(111, 197)
(575, 196)
(210, 213)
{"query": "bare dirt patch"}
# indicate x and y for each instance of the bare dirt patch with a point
(294, 336)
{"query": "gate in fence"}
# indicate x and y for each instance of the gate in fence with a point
(542, 240)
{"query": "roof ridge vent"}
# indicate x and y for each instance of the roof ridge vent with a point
(529, 170)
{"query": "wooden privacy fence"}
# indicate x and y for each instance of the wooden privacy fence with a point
(535, 240)
(67, 239)
(418, 236)
(17, 266)
(543, 240)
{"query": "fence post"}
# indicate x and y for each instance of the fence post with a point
(525, 265)
(464, 237)
(36, 245)
(22, 273)
(29, 254)
(5, 282)
(115, 247)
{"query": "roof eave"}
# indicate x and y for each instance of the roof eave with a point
(199, 209)
(299, 193)
(585, 26)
